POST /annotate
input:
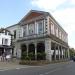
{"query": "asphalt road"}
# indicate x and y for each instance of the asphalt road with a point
(67, 68)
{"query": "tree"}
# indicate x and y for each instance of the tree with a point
(72, 52)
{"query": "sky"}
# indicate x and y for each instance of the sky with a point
(12, 11)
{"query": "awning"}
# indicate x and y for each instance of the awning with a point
(5, 46)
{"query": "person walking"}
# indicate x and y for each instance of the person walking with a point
(3, 57)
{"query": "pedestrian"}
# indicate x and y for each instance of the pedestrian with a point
(3, 56)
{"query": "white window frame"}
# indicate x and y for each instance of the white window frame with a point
(42, 28)
(24, 30)
(31, 28)
(4, 42)
(52, 28)
(56, 31)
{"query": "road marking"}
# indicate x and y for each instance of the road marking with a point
(41, 74)
(4, 69)
(51, 71)
(17, 68)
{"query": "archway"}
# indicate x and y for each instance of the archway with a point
(23, 51)
(31, 51)
(41, 51)
(53, 50)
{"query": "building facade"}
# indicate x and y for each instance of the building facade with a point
(37, 32)
(5, 42)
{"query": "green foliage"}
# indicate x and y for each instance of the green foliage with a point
(31, 55)
(27, 58)
(66, 53)
(44, 55)
(42, 62)
(23, 55)
(72, 52)
(41, 56)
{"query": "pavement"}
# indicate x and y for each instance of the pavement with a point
(11, 65)
(65, 68)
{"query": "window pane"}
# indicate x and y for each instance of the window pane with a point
(31, 29)
(2, 41)
(52, 28)
(6, 41)
(14, 34)
(40, 27)
(24, 31)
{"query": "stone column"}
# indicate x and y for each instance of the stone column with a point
(27, 30)
(47, 26)
(21, 30)
(18, 50)
(48, 49)
(36, 28)
(35, 51)
(65, 53)
(4, 50)
(61, 52)
(54, 51)
(58, 52)
(27, 49)
(44, 26)
(68, 53)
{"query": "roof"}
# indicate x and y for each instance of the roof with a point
(40, 12)
(33, 11)
(11, 26)
(44, 13)
(5, 46)
(2, 30)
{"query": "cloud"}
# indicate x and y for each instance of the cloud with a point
(72, 1)
(65, 17)
(47, 4)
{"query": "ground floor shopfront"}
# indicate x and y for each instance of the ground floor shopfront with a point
(53, 49)
(5, 50)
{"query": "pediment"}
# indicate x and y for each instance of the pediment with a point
(32, 14)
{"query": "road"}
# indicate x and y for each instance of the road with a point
(67, 68)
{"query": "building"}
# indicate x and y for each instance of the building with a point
(37, 32)
(5, 42)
